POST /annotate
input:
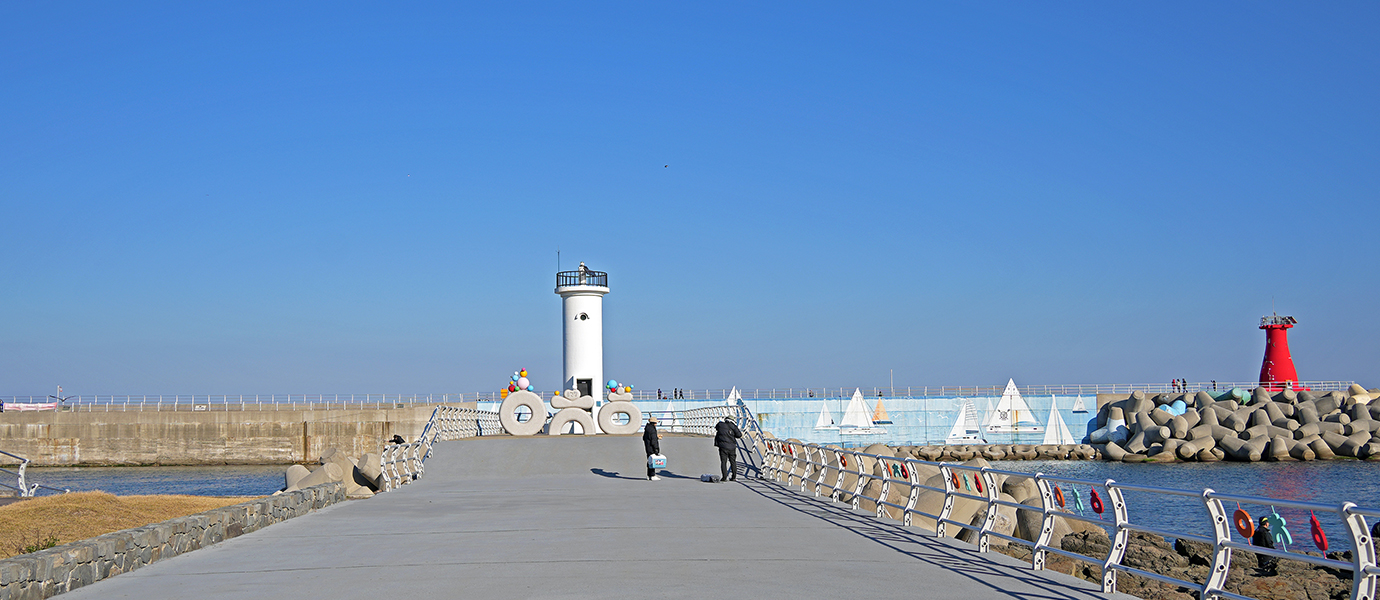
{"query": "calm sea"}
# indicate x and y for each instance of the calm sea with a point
(220, 480)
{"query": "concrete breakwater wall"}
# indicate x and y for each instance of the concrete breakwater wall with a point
(46, 573)
(203, 437)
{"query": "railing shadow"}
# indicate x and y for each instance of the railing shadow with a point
(916, 543)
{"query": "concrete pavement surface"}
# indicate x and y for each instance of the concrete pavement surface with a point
(575, 518)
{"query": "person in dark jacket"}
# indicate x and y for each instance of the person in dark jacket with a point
(651, 441)
(726, 435)
(1263, 537)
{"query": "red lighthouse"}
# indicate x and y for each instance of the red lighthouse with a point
(1277, 371)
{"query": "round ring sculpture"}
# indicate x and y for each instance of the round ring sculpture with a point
(566, 415)
(507, 413)
(607, 411)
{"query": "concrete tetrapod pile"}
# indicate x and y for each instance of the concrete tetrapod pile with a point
(362, 478)
(1236, 425)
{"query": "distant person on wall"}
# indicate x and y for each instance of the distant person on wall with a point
(726, 435)
(651, 440)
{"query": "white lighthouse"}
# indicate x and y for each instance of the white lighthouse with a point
(582, 294)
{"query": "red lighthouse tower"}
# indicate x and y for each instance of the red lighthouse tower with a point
(1277, 371)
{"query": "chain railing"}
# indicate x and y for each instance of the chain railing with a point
(404, 463)
(826, 471)
(22, 487)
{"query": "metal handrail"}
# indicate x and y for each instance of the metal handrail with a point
(221, 402)
(404, 463)
(957, 484)
(23, 488)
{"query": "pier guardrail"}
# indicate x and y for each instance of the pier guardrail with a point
(232, 402)
(404, 463)
(22, 487)
(810, 467)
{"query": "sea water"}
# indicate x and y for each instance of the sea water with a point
(213, 480)
(1329, 482)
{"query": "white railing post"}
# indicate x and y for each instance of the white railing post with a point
(1221, 553)
(1119, 541)
(1363, 577)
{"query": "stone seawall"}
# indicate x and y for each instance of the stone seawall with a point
(46, 573)
(202, 437)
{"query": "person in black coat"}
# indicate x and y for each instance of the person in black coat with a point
(1263, 537)
(726, 435)
(651, 442)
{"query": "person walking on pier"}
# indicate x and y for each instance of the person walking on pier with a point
(726, 435)
(651, 440)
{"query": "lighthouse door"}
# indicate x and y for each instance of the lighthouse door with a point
(586, 386)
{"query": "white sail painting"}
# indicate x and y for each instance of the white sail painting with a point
(1056, 432)
(826, 419)
(1078, 406)
(966, 429)
(1012, 414)
(857, 419)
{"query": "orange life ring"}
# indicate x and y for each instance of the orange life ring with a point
(1244, 525)
(1096, 502)
(953, 478)
(1319, 538)
(843, 461)
(1059, 496)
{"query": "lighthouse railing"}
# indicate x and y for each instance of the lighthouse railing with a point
(849, 476)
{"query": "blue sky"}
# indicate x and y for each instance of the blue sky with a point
(258, 198)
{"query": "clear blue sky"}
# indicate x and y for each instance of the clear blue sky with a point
(255, 198)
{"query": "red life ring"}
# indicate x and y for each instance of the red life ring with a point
(953, 478)
(1059, 496)
(904, 472)
(1096, 502)
(1319, 538)
(1244, 525)
(977, 482)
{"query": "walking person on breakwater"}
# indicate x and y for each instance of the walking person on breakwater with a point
(1265, 539)
(651, 441)
(726, 435)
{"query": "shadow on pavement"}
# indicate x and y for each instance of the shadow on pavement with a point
(921, 545)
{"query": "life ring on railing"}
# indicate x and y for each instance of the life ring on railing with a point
(1059, 496)
(843, 461)
(904, 472)
(977, 483)
(1096, 502)
(1244, 525)
(953, 478)
(1319, 538)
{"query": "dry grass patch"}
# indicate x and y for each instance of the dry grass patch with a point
(33, 525)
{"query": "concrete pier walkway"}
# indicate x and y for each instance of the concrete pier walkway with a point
(576, 518)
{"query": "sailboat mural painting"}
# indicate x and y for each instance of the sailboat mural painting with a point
(856, 420)
(879, 416)
(1012, 414)
(966, 429)
(826, 419)
(1056, 432)
(1078, 406)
